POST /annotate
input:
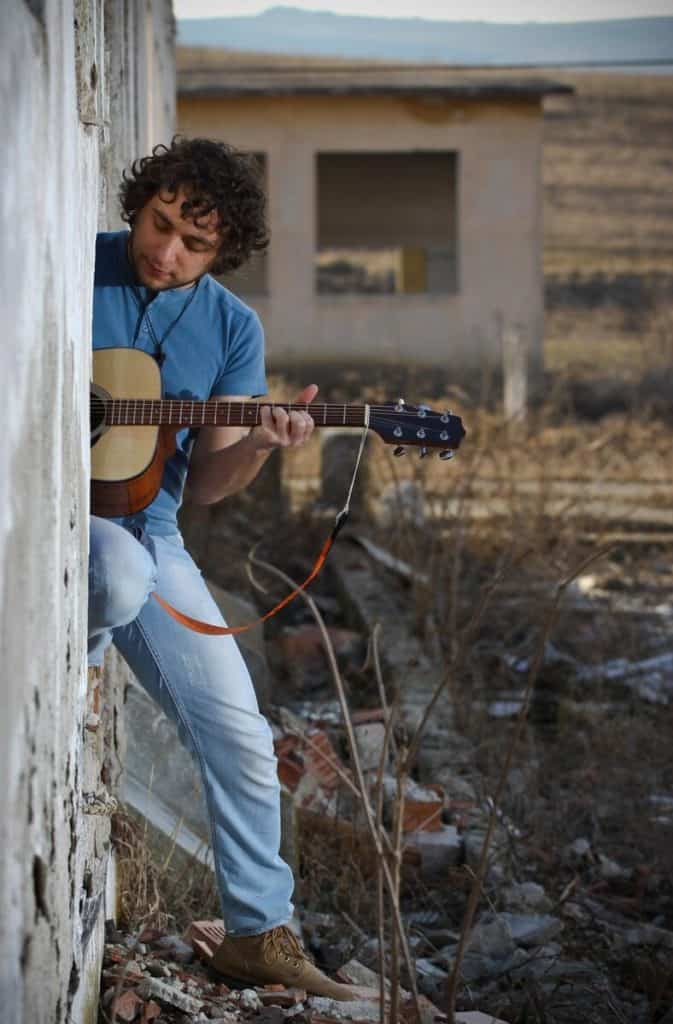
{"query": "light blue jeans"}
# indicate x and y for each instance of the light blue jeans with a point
(203, 685)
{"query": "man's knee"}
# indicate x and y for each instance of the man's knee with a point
(122, 574)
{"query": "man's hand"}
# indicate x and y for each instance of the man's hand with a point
(279, 429)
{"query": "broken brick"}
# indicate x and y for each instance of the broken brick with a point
(126, 1005)
(321, 760)
(278, 995)
(151, 1012)
(423, 815)
(205, 937)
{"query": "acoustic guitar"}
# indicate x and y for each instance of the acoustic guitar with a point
(133, 427)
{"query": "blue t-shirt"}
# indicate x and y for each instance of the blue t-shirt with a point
(211, 344)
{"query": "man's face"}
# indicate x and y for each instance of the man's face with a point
(169, 251)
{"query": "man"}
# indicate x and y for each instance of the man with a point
(196, 208)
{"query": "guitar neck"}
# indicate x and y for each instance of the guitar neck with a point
(123, 412)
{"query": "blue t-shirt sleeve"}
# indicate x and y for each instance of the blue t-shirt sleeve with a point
(244, 372)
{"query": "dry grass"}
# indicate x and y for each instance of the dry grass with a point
(159, 886)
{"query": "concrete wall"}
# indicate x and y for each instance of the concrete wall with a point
(498, 147)
(64, 116)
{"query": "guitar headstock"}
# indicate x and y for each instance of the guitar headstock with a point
(401, 424)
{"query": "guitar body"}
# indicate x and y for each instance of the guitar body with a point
(127, 462)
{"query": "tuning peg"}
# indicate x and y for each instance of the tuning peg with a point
(400, 405)
(423, 410)
(400, 450)
(445, 416)
(446, 454)
(423, 452)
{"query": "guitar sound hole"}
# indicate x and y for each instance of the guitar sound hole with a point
(96, 418)
(97, 413)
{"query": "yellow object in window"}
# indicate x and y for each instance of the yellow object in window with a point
(411, 276)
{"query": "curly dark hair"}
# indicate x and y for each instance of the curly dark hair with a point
(214, 176)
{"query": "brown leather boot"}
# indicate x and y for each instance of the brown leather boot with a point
(275, 957)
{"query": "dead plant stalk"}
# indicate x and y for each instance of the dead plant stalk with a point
(375, 834)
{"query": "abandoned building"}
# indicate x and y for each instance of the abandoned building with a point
(405, 204)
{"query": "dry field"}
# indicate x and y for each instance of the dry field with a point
(608, 193)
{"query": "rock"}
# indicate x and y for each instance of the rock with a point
(476, 1017)
(649, 935)
(474, 967)
(473, 839)
(491, 937)
(369, 742)
(355, 973)
(526, 896)
(577, 852)
(361, 1011)
(431, 978)
(249, 1000)
(158, 969)
(176, 948)
(531, 929)
(169, 995)
(610, 869)
(438, 850)
(545, 965)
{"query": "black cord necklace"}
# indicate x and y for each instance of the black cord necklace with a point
(159, 353)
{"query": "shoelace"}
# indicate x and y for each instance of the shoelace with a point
(282, 942)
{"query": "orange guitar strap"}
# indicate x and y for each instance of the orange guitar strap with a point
(209, 629)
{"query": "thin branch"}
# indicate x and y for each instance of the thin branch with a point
(375, 835)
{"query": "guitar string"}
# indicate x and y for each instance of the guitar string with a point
(212, 404)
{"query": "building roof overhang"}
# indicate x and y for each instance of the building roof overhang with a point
(203, 73)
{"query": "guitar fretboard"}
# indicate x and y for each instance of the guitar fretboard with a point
(120, 412)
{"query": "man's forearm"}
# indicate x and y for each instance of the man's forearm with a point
(226, 471)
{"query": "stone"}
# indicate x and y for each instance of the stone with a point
(158, 969)
(438, 850)
(476, 1017)
(491, 937)
(473, 839)
(249, 1000)
(649, 935)
(431, 978)
(610, 869)
(577, 852)
(531, 929)
(169, 995)
(355, 973)
(526, 896)
(175, 947)
(369, 742)
(360, 1011)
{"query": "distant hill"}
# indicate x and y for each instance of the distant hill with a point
(290, 30)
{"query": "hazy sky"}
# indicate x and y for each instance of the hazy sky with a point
(444, 10)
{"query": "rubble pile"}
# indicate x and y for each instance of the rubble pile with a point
(575, 917)
(157, 978)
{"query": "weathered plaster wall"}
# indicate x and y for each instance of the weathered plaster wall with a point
(60, 124)
(499, 224)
